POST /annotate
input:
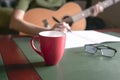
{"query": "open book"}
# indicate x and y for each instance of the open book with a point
(80, 38)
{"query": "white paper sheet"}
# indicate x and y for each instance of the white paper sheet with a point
(80, 38)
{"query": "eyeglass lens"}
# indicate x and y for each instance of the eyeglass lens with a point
(107, 52)
(90, 49)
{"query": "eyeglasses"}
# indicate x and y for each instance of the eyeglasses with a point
(104, 50)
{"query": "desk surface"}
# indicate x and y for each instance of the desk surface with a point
(7, 46)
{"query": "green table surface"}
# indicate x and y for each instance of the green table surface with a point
(3, 74)
(76, 64)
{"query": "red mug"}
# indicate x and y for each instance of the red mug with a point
(52, 45)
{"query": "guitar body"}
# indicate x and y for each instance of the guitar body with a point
(38, 15)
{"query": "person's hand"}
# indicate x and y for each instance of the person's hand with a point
(97, 9)
(63, 27)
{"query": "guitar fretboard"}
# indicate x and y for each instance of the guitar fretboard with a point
(89, 11)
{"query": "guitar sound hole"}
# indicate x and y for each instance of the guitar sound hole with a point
(68, 20)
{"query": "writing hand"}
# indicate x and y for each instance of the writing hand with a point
(63, 27)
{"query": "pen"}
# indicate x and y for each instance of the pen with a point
(59, 22)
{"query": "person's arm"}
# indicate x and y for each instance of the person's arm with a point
(18, 23)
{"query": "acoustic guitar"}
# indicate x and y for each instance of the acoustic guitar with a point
(70, 13)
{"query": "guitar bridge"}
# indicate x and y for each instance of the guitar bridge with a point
(46, 24)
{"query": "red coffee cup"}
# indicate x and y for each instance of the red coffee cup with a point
(52, 45)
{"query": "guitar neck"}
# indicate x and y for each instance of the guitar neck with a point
(89, 11)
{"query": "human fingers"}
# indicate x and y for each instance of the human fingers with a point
(64, 27)
(97, 9)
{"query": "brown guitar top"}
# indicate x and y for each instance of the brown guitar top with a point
(38, 15)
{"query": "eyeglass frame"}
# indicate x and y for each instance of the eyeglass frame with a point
(97, 46)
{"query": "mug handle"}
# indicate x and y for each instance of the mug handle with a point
(33, 44)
